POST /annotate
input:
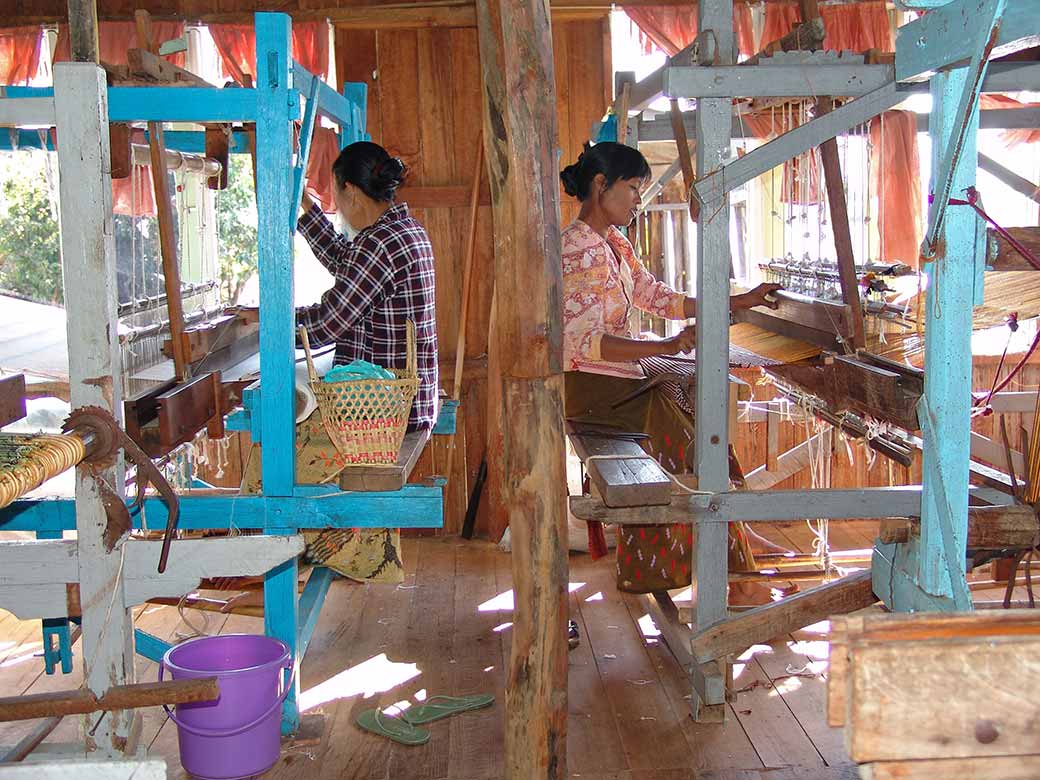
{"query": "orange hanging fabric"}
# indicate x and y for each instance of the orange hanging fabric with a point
(850, 27)
(673, 28)
(895, 172)
(19, 54)
(133, 196)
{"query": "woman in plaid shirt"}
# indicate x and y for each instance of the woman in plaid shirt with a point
(384, 275)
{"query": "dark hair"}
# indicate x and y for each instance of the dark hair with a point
(615, 161)
(371, 169)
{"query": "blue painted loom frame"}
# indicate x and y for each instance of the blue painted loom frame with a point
(285, 92)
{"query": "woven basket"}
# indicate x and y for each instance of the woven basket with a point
(367, 418)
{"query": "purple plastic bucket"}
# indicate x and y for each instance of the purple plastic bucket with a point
(239, 735)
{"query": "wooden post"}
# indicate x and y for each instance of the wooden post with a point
(520, 142)
(83, 30)
(838, 207)
(277, 314)
(88, 264)
(164, 215)
(713, 129)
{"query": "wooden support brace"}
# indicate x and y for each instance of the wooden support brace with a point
(762, 624)
(989, 528)
(118, 697)
(12, 398)
(1003, 256)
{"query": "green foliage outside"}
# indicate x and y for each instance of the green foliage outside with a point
(30, 252)
(236, 229)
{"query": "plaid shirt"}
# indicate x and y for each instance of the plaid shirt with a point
(384, 277)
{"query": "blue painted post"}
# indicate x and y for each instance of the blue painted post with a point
(276, 107)
(948, 323)
(57, 637)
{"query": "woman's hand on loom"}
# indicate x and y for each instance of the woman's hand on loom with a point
(684, 341)
(763, 295)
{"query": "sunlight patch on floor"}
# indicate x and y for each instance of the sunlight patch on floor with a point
(504, 601)
(376, 675)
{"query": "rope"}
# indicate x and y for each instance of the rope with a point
(973, 200)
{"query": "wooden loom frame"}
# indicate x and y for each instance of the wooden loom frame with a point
(285, 93)
(927, 573)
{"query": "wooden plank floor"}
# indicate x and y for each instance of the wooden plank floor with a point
(446, 630)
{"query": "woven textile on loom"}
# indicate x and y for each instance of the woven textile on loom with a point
(687, 366)
(27, 461)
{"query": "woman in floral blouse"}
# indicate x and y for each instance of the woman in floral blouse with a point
(605, 288)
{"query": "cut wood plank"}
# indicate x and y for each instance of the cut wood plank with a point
(814, 314)
(143, 63)
(480, 639)
(623, 473)
(843, 382)
(797, 671)
(898, 705)
(677, 511)
(992, 768)
(1003, 256)
(713, 746)
(766, 622)
(12, 399)
(78, 702)
(788, 463)
(387, 478)
(768, 720)
(989, 528)
(634, 690)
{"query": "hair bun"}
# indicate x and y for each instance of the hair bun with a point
(391, 170)
(569, 177)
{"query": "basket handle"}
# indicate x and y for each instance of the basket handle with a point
(412, 367)
(311, 371)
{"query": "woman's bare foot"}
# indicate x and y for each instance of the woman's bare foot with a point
(749, 594)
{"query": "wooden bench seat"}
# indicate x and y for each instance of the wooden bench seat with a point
(387, 478)
(627, 476)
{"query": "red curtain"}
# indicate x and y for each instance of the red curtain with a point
(801, 175)
(114, 38)
(852, 26)
(1018, 136)
(895, 174)
(324, 151)
(673, 28)
(236, 44)
(133, 196)
(19, 54)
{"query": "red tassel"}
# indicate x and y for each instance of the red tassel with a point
(597, 540)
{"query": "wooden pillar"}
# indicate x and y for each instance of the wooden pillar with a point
(713, 125)
(83, 30)
(277, 314)
(843, 252)
(520, 138)
(88, 266)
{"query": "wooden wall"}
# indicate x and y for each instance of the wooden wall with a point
(425, 106)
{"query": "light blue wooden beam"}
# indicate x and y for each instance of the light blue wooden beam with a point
(311, 600)
(961, 123)
(151, 647)
(413, 506)
(357, 94)
(711, 433)
(181, 104)
(774, 80)
(948, 35)
(330, 103)
(926, 573)
(299, 172)
(738, 170)
(276, 107)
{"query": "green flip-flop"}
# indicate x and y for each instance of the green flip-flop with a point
(391, 727)
(437, 707)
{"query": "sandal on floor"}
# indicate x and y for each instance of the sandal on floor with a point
(394, 728)
(437, 707)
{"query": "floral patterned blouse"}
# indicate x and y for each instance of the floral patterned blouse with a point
(604, 288)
